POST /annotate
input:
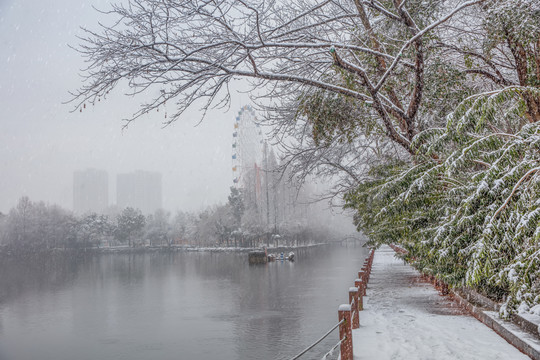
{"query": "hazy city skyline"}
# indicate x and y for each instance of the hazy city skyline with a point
(141, 190)
(90, 191)
(42, 143)
(95, 190)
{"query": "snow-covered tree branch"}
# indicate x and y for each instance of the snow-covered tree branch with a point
(191, 50)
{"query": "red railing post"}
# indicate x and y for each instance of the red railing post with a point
(355, 307)
(345, 332)
(362, 275)
(363, 284)
(358, 283)
(365, 269)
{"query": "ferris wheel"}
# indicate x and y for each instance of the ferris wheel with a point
(247, 150)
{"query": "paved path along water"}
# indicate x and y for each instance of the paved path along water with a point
(406, 318)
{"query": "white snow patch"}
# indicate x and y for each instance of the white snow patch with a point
(523, 308)
(535, 310)
(513, 275)
(402, 320)
(514, 329)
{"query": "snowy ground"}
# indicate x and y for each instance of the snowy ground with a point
(406, 318)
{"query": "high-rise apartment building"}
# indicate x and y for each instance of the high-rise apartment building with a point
(90, 191)
(140, 190)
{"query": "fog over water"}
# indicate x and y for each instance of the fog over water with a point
(174, 306)
(42, 143)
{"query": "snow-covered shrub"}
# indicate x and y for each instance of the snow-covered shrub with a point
(469, 208)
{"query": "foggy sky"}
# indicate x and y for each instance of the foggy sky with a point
(42, 143)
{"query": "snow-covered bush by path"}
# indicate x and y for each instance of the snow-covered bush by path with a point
(468, 211)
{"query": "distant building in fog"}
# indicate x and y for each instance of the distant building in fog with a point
(90, 191)
(140, 190)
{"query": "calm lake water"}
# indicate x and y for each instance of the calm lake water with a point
(173, 306)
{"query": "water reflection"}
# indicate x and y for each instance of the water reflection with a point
(179, 305)
(32, 272)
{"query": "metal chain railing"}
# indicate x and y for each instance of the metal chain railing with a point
(347, 312)
(331, 352)
(318, 341)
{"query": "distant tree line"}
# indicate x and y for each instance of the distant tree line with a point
(31, 225)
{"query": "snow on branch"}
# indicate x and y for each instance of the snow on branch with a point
(190, 51)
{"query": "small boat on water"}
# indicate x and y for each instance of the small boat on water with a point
(262, 257)
(281, 256)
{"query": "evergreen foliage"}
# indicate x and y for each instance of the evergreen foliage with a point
(467, 205)
(468, 210)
